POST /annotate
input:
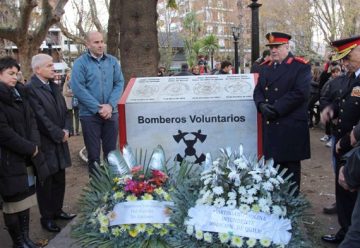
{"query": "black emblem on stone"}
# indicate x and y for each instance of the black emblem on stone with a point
(190, 143)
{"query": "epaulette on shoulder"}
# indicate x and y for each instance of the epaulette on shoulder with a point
(301, 60)
(266, 62)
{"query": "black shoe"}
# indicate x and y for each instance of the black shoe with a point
(50, 225)
(332, 238)
(65, 216)
(331, 209)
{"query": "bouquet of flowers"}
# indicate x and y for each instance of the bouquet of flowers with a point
(240, 202)
(120, 203)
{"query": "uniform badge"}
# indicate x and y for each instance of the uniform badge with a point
(271, 38)
(356, 91)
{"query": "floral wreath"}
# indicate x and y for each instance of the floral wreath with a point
(123, 180)
(233, 182)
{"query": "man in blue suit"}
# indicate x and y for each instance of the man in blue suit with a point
(281, 97)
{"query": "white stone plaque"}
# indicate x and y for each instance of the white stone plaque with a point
(250, 225)
(136, 212)
(190, 116)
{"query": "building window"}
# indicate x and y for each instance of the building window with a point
(222, 43)
(208, 15)
(220, 30)
(209, 29)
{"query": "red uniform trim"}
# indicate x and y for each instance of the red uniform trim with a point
(301, 60)
(347, 45)
(122, 114)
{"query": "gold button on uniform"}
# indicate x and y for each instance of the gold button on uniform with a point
(276, 89)
(268, 122)
(266, 100)
(266, 88)
(339, 120)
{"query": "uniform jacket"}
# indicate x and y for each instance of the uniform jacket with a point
(96, 82)
(50, 112)
(286, 86)
(19, 137)
(347, 111)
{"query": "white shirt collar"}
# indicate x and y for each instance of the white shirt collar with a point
(357, 73)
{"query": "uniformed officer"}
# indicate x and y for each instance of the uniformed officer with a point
(345, 113)
(281, 97)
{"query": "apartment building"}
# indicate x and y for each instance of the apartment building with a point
(217, 17)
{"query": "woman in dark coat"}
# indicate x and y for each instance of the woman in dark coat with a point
(19, 152)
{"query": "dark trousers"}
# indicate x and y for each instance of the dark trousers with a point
(345, 202)
(352, 238)
(70, 116)
(73, 115)
(98, 132)
(293, 167)
(50, 195)
(76, 119)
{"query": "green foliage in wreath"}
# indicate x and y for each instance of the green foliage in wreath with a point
(124, 180)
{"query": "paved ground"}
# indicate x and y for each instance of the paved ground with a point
(317, 185)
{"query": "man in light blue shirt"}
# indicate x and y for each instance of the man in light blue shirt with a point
(97, 82)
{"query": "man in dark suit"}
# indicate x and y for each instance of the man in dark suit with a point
(344, 112)
(349, 179)
(184, 70)
(50, 112)
(281, 97)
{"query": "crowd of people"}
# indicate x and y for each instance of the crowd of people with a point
(36, 121)
(201, 68)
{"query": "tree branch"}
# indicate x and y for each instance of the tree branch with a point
(94, 16)
(25, 17)
(71, 36)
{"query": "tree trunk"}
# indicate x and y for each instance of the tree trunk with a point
(113, 35)
(26, 52)
(138, 38)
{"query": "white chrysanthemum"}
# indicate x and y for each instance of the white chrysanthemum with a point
(277, 210)
(241, 163)
(249, 199)
(219, 202)
(237, 241)
(242, 190)
(208, 237)
(262, 202)
(231, 203)
(234, 176)
(257, 178)
(224, 237)
(267, 173)
(218, 190)
(251, 242)
(252, 191)
(268, 186)
(244, 208)
(190, 230)
(232, 195)
(199, 234)
(207, 200)
(265, 242)
(265, 209)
